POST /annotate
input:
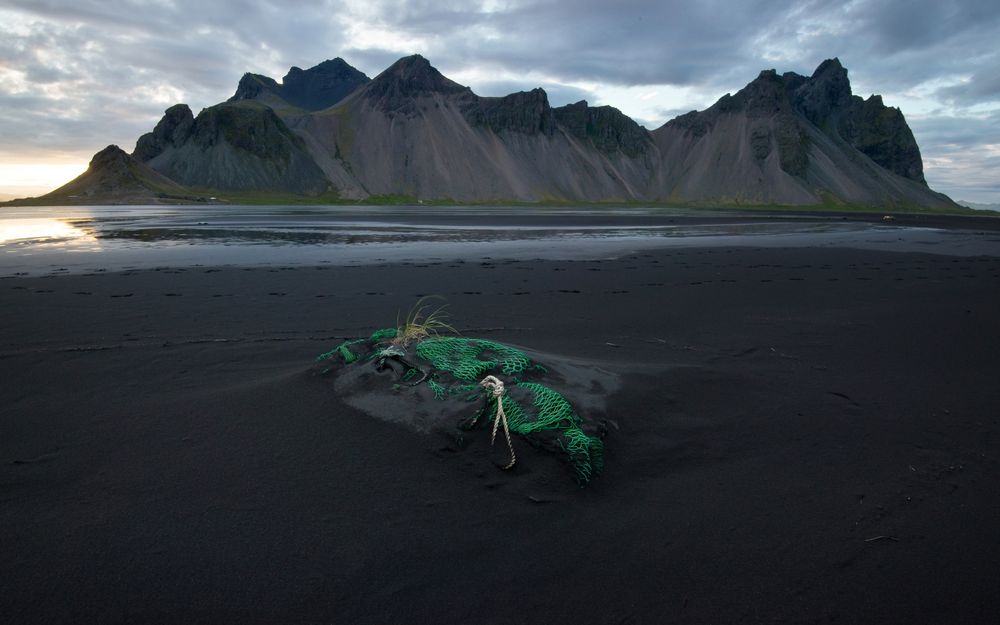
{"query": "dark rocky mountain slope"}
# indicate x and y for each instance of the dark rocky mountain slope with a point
(412, 133)
(878, 131)
(789, 139)
(234, 146)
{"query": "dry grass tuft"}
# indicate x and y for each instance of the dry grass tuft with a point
(421, 324)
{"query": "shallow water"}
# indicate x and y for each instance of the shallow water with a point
(110, 238)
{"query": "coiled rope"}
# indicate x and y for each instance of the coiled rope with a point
(495, 385)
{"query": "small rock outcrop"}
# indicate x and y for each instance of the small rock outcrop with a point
(526, 112)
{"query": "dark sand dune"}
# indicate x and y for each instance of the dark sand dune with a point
(797, 435)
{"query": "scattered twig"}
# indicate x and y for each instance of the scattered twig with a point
(878, 538)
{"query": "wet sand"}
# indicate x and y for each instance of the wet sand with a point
(795, 435)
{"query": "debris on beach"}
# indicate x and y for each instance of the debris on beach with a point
(509, 385)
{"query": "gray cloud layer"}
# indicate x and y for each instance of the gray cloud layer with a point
(78, 74)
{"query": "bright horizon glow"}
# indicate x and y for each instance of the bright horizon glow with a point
(20, 179)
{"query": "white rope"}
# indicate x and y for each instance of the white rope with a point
(495, 385)
(391, 350)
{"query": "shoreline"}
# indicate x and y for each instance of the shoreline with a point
(838, 209)
(101, 240)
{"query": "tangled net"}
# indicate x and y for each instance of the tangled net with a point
(452, 367)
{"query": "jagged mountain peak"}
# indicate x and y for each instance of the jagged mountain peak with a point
(876, 130)
(818, 97)
(411, 63)
(830, 66)
(313, 89)
(825, 92)
(794, 107)
(764, 96)
(321, 86)
(252, 86)
(417, 74)
(329, 66)
(408, 77)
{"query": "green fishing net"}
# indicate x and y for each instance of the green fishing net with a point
(471, 359)
(451, 367)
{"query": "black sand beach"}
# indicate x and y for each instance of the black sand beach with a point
(797, 435)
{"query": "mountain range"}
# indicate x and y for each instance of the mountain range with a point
(329, 133)
(979, 206)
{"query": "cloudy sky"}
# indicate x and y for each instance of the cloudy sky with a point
(76, 75)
